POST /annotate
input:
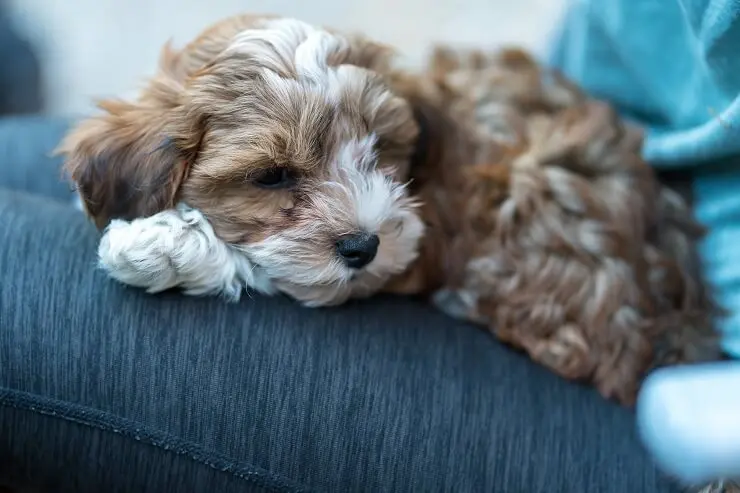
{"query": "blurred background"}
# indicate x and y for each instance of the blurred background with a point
(59, 55)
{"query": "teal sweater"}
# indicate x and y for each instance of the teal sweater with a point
(674, 65)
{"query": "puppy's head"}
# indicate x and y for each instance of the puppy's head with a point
(289, 140)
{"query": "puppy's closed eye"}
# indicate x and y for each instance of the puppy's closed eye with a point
(279, 177)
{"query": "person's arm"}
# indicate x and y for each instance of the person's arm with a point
(670, 64)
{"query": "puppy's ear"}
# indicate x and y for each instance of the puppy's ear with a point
(367, 53)
(130, 161)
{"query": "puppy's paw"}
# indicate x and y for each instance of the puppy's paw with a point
(176, 248)
(140, 253)
(458, 303)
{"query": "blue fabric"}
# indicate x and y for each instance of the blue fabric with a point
(674, 65)
(21, 78)
(108, 389)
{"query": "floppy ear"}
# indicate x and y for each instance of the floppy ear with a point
(130, 161)
(367, 53)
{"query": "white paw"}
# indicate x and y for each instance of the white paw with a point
(177, 248)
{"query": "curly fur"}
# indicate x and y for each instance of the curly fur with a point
(572, 249)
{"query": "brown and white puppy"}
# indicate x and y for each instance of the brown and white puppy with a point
(272, 155)
(276, 155)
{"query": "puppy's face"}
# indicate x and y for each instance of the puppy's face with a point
(289, 141)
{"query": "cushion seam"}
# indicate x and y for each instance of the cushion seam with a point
(108, 422)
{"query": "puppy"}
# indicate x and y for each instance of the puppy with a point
(272, 155)
(279, 155)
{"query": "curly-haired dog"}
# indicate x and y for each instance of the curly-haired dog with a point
(282, 157)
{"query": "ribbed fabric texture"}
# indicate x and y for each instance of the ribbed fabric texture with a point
(104, 388)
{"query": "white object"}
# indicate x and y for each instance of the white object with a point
(689, 419)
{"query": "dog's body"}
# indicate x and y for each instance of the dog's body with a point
(567, 245)
(281, 157)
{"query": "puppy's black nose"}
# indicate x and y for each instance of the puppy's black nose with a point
(357, 250)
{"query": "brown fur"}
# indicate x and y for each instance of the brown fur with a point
(572, 249)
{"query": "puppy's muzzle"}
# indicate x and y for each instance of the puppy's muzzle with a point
(357, 250)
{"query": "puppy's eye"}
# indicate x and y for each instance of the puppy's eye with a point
(274, 178)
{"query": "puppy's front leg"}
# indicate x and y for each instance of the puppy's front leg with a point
(177, 248)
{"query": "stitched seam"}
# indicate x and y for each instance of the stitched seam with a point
(104, 421)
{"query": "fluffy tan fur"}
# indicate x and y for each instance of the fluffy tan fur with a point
(540, 220)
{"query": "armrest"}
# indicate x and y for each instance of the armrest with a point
(26, 144)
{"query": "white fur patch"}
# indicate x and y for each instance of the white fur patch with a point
(289, 43)
(177, 248)
(460, 304)
(290, 49)
(373, 195)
